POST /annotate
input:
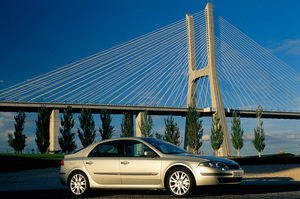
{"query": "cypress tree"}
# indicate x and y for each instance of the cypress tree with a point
(237, 133)
(216, 137)
(87, 124)
(172, 132)
(66, 142)
(18, 142)
(146, 125)
(42, 129)
(107, 129)
(127, 125)
(194, 130)
(259, 134)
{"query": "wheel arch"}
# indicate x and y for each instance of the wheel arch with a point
(76, 171)
(184, 166)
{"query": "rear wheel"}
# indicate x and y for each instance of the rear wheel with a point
(78, 183)
(180, 182)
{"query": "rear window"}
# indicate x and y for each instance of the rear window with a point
(107, 149)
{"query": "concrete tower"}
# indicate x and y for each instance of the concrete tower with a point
(210, 70)
(54, 131)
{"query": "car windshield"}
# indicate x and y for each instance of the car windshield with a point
(164, 147)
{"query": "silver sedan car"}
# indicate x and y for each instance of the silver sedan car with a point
(144, 163)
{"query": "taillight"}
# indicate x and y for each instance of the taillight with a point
(62, 163)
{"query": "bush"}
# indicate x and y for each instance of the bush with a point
(20, 162)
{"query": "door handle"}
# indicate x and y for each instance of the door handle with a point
(90, 162)
(125, 162)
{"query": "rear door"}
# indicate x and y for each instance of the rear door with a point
(103, 163)
(136, 168)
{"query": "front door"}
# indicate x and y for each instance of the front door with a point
(103, 163)
(136, 168)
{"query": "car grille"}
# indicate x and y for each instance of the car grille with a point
(229, 180)
(233, 166)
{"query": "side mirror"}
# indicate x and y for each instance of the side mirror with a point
(150, 154)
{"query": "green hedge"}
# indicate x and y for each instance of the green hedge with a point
(19, 162)
(268, 159)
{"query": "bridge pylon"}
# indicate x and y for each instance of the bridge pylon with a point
(54, 131)
(210, 70)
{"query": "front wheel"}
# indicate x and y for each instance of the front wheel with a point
(180, 182)
(78, 184)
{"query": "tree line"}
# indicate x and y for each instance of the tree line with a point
(87, 130)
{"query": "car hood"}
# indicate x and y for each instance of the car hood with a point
(205, 158)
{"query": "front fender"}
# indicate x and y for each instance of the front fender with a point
(179, 164)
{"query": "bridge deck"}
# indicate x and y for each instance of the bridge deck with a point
(119, 109)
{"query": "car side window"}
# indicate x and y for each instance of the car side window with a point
(134, 148)
(107, 149)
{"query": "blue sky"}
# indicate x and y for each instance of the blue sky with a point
(38, 36)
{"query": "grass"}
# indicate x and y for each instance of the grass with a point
(35, 156)
(18, 162)
(285, 158)
(275, 155)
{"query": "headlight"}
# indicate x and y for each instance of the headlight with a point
(217, 165)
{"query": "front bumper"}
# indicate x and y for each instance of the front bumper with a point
(211, 176)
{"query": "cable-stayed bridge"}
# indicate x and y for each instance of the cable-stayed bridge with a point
(153, 72)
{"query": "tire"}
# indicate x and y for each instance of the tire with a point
(78, 184)
(180, 182)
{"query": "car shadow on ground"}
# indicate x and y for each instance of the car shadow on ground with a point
(127, 193)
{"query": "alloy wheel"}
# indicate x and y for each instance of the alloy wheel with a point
(180, 183)
(78, 184)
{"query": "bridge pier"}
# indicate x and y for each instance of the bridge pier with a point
(54, 131)
(138, 121)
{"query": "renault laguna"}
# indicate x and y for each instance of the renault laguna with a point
(144, 163)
